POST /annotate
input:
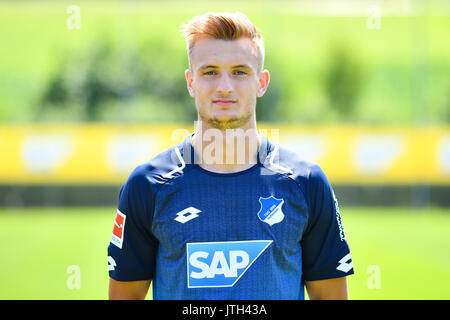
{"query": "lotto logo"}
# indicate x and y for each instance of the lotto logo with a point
(221, 264)
(187, 215)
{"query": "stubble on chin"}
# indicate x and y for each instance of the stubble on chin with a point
(234, 123)
(224, 124)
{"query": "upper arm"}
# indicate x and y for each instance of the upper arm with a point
(328, 289)
(128, 290)
(133, 247)
(325, 251)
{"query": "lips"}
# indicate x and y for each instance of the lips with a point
(224, 102)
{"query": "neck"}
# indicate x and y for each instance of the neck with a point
(226, 150)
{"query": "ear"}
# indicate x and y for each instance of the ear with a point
(263, 83)
(189, 81)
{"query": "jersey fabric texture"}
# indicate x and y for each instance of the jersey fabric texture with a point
(254, 234)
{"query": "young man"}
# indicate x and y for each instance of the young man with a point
(213, 219)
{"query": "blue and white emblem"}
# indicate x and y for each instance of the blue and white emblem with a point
(270, 211)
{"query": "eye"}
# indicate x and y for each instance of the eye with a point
(240, 73)
(209, 73)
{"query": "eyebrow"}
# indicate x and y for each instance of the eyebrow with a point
(208, 67)
(241, 66)
(233, 67)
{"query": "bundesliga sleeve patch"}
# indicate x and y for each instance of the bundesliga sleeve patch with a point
(118, 231)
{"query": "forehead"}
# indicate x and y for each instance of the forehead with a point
(223, 53)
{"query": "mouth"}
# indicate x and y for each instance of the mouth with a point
(224, 102)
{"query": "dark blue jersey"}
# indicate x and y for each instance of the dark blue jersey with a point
(254, 234)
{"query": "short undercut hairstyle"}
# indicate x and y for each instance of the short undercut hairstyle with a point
(223, 26)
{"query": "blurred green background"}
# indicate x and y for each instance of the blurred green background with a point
(356, 62)
(126, 61)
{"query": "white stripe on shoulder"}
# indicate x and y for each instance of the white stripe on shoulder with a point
(277, 166)
(177, 169)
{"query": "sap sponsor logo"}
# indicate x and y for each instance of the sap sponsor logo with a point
(270, 211)
(221, 264)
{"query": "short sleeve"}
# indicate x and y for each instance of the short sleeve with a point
(132, 250)
(325, 250)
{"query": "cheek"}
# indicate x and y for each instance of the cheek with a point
(248, 91)
(203, 94)
(203, 89)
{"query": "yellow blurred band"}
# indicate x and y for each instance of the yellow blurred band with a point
(106, 154)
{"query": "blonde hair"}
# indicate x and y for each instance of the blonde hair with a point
(223, 26)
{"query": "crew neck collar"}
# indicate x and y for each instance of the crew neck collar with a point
(190, 157)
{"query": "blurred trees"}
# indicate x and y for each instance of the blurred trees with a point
(343, 81)
(107, 75)
(324, 68)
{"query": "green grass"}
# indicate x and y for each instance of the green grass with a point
(410, 248)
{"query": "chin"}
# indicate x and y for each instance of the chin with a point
(225, 116)
(228, 122)
(225, 119)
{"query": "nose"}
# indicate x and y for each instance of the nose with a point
(224, 87)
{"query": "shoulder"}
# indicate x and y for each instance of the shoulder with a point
(154, 173)
(314, 184)
(293, 165)
(308, 175)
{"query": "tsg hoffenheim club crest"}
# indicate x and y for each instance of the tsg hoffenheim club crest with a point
(270, 211)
